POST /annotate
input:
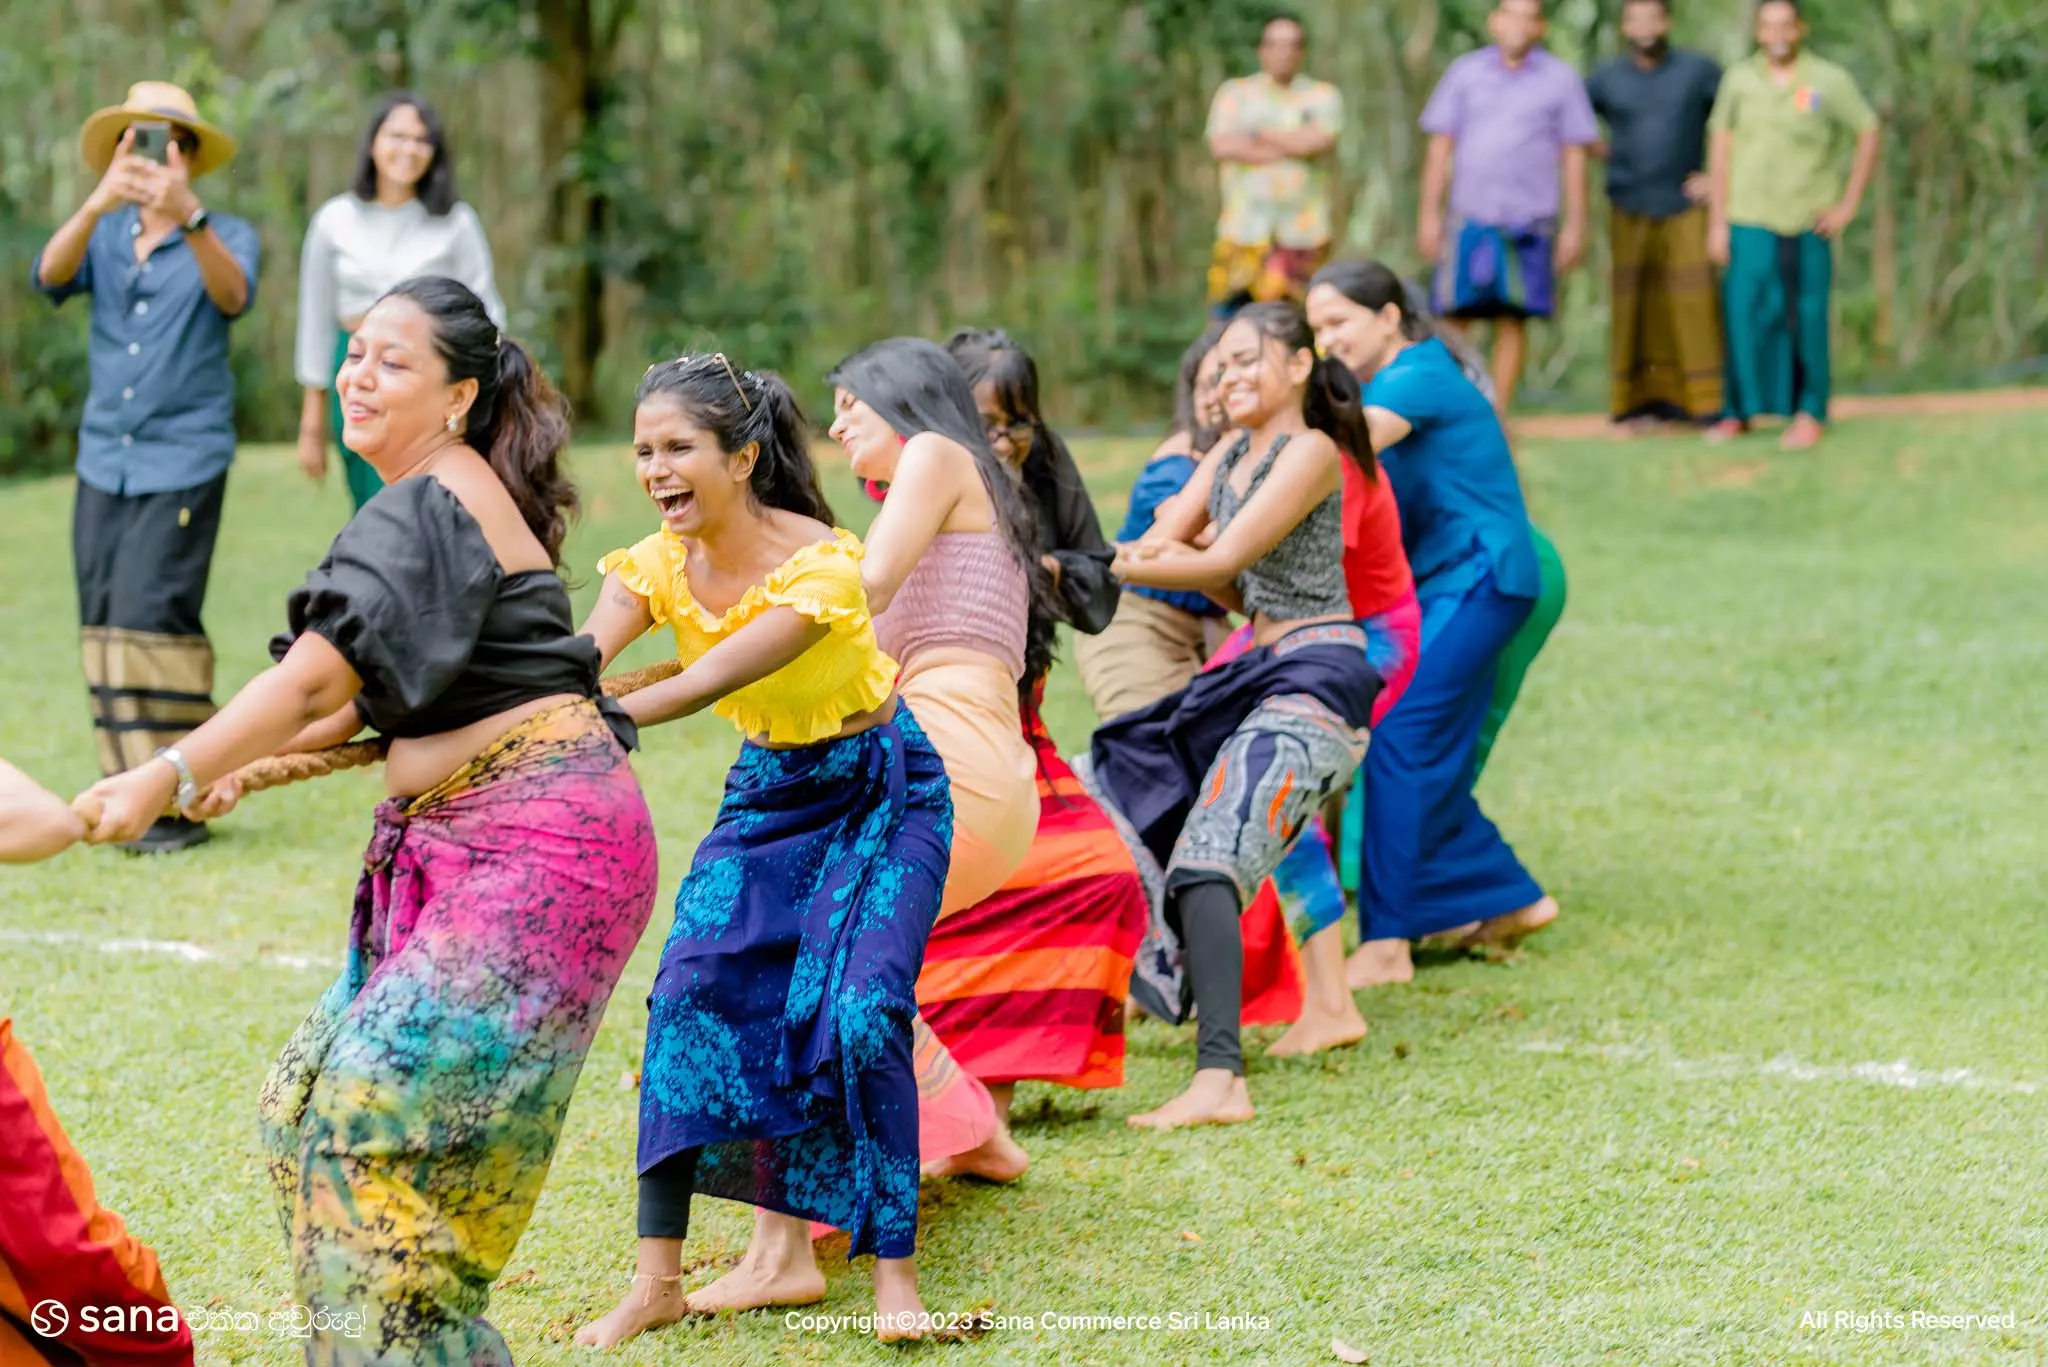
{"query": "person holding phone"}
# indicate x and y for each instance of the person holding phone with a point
(400, 218)
(166, 277)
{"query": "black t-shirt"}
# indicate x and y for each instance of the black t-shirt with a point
(413, 597)
(1657, 125)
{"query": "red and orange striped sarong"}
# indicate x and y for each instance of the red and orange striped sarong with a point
(1029, 984)
(62, 1253)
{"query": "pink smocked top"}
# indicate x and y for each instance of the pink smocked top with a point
(967, 591)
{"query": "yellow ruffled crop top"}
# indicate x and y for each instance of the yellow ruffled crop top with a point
(809, 698)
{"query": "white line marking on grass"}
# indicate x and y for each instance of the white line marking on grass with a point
(178, 949)
(1898, 1073)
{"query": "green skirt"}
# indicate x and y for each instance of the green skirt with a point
(363, 481)
(1525, 645)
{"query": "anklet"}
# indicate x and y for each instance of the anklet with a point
(652, 1280)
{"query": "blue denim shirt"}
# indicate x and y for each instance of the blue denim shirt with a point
(1160, 480)
(161, 411)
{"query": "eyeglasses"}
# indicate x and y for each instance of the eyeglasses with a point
(1018, 433)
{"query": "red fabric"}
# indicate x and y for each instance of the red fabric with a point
(1272, 965)
(57, 1243)
(1030, 982)
(1375, 566)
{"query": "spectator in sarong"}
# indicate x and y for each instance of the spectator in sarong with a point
(1664, 340)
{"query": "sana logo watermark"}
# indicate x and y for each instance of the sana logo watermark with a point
(53, 1319)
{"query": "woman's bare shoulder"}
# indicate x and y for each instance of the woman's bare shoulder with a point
(476, 486)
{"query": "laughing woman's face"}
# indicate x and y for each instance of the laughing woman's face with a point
(871, 445)
(693, 481)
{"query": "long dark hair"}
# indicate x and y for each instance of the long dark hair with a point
(1371, 285)
(1187, 380)
(518, 422)
(739, 406)
(991, 356)
(436, 189)
(915, 387)
(1331, 405)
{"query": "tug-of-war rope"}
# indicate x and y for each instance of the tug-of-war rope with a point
(274, 771)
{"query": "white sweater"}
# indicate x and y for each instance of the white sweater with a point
(355, 251)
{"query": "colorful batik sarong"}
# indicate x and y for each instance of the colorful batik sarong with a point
(779, 1037)
(411, 1119)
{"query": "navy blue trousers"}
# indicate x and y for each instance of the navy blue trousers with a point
(1432, 859)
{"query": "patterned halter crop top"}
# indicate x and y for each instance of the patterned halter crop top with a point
(1301, 577)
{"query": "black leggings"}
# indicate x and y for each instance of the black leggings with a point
(1204, 913)
(665, 1191)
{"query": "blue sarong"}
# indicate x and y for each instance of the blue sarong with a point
(1490, 271)
(1432, 859)
(779, 1027)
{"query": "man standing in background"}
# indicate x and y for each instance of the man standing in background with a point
(166, 277)
(1273, 136)
(1779, 198)
(1665, 338)
(1508, 129)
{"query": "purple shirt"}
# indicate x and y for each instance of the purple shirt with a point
(1510, 125)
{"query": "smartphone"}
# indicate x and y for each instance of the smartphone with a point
(152, 140)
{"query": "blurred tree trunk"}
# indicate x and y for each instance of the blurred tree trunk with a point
(576, 51)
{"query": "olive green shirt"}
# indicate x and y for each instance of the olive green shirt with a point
(1789, 159)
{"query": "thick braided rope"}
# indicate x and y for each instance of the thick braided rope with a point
(274, 771)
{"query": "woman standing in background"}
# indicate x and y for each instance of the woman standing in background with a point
(399, 219)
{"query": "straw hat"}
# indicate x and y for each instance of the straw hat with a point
(149, 100)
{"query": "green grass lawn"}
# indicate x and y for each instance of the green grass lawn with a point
(1783, 765)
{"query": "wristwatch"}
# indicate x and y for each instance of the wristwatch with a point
(198, 222)
(188, 791)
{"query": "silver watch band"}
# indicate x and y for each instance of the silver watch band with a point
(188, 791)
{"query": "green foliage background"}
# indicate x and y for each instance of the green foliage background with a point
(791, 178)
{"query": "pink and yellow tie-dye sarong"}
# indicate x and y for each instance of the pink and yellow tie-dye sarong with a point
(410, 1121)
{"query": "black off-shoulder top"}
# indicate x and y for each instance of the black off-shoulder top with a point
(415, 600)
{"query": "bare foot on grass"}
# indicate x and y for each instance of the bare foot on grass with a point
(1445, 940)
(1318, 1030)
(655, 1298)
(1378, 963)
(779, 1269)
(1511, 928)
(999, 1158)
(899, 1313)
(1217, 1096)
